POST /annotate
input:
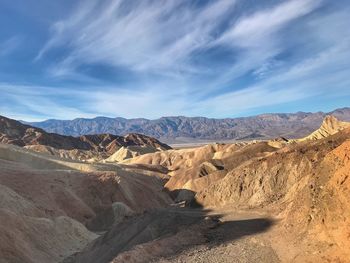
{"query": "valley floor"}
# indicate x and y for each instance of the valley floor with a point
(229, 235)
(240, 237)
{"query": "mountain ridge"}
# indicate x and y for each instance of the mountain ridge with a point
(82, 147)
(174, 129)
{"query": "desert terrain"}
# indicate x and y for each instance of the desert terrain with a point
(106, 198)
(174, 131)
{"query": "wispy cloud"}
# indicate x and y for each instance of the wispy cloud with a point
(256, 29)
(164, 36)
(141, 35)
(257, 37)
(216, 58)
(25, 101)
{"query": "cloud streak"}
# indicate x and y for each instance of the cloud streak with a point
(143, 36)
(215, 58)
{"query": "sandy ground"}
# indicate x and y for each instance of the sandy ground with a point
(239, 237)
(225, 235)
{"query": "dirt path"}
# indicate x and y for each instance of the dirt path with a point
(241, 237)
(193, 235)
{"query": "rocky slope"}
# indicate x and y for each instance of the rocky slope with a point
(196, 168)
(185, 129)
(307, 183)
(85, 147)
(49, 207)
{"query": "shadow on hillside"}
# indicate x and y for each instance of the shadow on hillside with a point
(232, 230)
(184, 198)
(155, 225)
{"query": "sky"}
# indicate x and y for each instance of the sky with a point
(152, 58)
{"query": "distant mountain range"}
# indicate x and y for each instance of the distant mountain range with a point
(195, 129)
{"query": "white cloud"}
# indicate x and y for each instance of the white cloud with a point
(256, 29)
(161, 36)
(28, 102)
(256, 36)
(164, 36)
(143, 36)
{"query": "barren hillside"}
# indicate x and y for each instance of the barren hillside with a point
(49, 206)
(86, 147)
(263, 201)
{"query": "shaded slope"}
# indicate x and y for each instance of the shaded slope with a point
(49, 206)
(33, 239)
(168, 232)
(80, 195)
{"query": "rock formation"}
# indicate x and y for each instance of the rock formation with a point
(87, 147)
(330, 125)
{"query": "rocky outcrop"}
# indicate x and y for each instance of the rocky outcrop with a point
(330, 125)
(129, 152)
(87, 147)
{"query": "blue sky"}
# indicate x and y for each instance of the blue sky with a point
(151, 58)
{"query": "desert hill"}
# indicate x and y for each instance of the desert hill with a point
(307, 182)
(195, 168)
(276, 200)
(49, 207)
(190, 129)
(85, 147)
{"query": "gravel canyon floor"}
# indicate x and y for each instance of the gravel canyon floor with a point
(261, 201)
